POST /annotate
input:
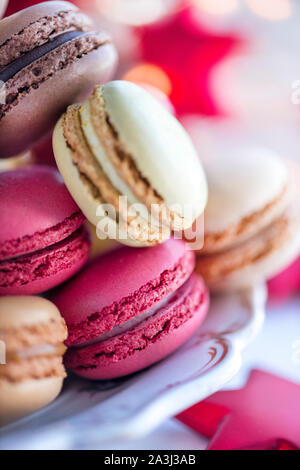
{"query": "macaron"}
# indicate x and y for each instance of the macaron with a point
(24, 159)
(252, 224)
(43, 241)
(123, 143)
(49, 58)
(32, 335)
(131, 308)
(100, 246)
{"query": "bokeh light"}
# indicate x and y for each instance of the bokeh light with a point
(150, 74)
(217, 7)
(273, 10)
(136, 12)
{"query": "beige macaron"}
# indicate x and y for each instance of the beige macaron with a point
(252, 220)
(100, 246)
(24, 159)
(32, 333)
(123, 142)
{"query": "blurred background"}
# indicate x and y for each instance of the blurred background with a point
(228, 69)
(230, 72)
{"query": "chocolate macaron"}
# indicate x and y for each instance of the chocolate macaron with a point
(49, 57)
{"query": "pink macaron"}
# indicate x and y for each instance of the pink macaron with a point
(42, 239)
(131, 308)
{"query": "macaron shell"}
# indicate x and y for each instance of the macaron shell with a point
(117, 275)
(241, 185)
(263, 267)
(39, 272)
(145, 358)
(82, 194)
(18, 400)
(26, 311)
(35, 113)
(148, 129)
(132, 356)
(248, 226)
(32, 200)
(15, 23)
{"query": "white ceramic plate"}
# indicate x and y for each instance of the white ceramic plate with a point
(90, 414)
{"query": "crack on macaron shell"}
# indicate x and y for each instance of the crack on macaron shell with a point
(169, 318)
(40, 240)
(32, 368)
(39, 32)
(31, 77)
(248, 226)
(27, 269)
(97, 182)
(139, 301)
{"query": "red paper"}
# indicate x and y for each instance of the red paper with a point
(265, 414)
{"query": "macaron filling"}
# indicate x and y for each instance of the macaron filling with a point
(248, 225)
(17, 65)
(130, 324)
(40, 31)
(109, 170)
(54, 259)
(281, 234)
(104, 184)
(46, 350)
(100, 154)
(29, 70)
(184, 312)
(147, 299)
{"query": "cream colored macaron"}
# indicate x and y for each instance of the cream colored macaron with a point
(247, 190)
(258, 258)
(32, 333)
(252, 220)
(22, 160)
(123, 142)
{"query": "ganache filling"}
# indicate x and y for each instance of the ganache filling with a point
(17, 65)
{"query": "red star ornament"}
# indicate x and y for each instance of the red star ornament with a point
(187, 53)
(265, 414)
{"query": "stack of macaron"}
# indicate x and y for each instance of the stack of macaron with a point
(33, 332)
(131, 307)
(252, 219)
(127, 171)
